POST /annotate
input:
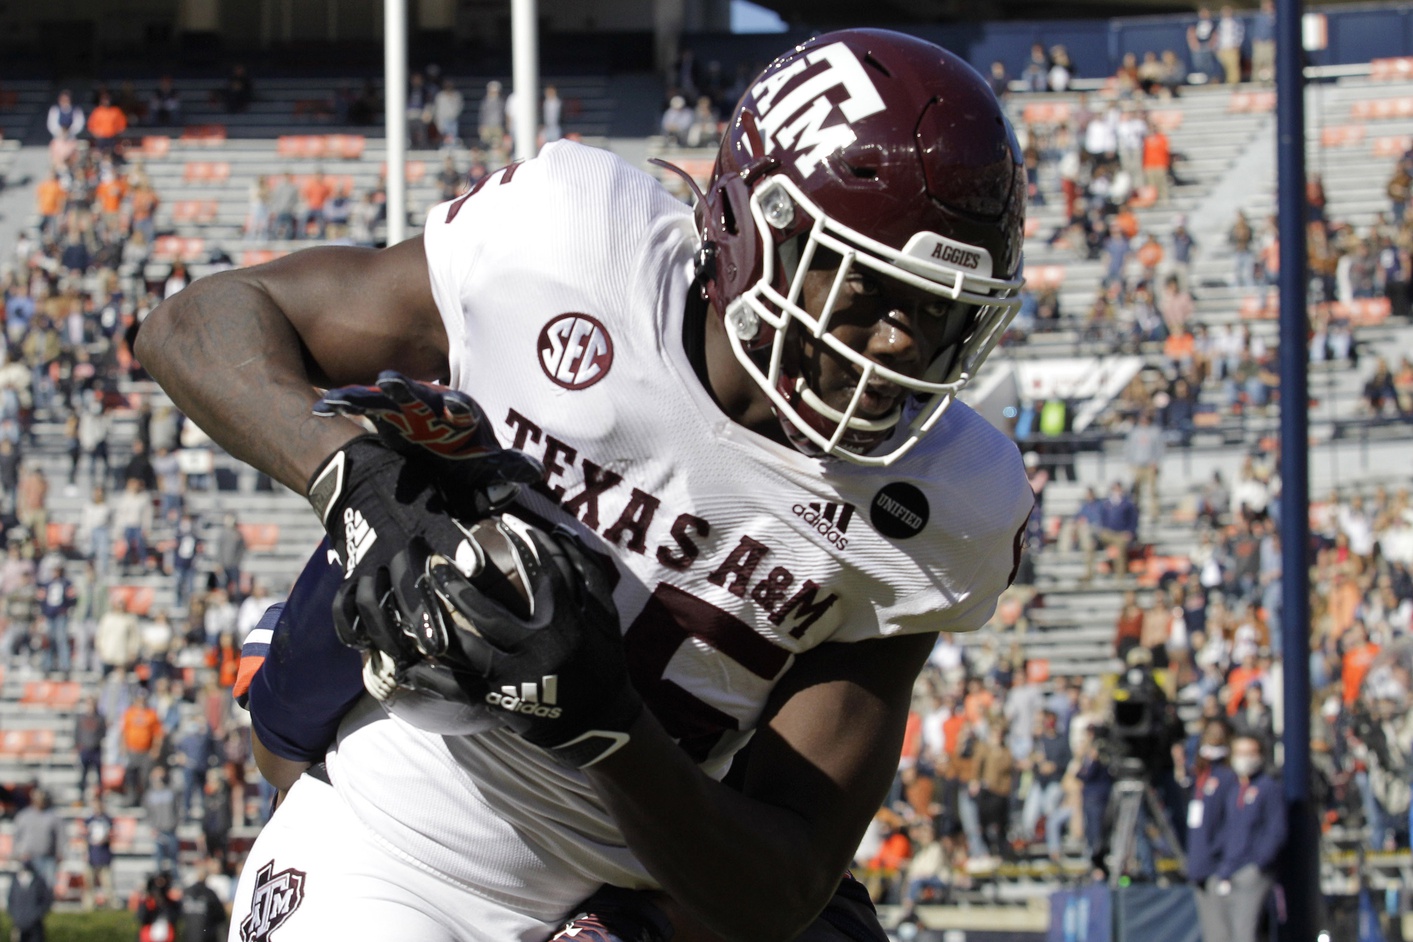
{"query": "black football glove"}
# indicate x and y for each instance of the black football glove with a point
(614, 914)
(443, 430)
(558, 678)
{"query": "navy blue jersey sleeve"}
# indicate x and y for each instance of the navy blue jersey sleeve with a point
(300, 679)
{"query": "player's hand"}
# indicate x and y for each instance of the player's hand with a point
(386, 517)
(558, 677)
(446, 431)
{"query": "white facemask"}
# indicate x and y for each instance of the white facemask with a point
(1246, 766)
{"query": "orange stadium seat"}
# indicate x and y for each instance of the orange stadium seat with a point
(27, 744)
(1381, 109)
(56, 694)
(1046, 112)
(138, 598)
(1392, 146)
(69, 884)
(1362, 312)
(1169, 119)
(1037, 670)
(1040, 277)
(300, 145)
(416, 171)
(260, 536)
(1343, 135)
(169, 248)
(124, 833)
(1251, 308)
(202, 171)
(346, 146)
(198, 211)
(1391, 69)
(1144, 197)
(60, 534)
(204, 135)
(1251, 102)
(260, 256)
(113, 776)
(154, 146)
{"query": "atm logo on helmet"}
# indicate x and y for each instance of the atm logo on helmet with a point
(793, 104)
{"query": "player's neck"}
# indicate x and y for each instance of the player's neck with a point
(708, 349)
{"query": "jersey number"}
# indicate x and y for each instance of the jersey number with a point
(671, 618)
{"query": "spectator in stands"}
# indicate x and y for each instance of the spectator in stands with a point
(1211, 783)
(252, 608)
(1241, 238)
(1047, 762)
(95, 529)
(419, 112)
(284, 207)
(703, 130)
(203, 911)
(164, 109)
(142, 207)
(118, 638)
(551, 112)
(490, 117)
(216, 814)
(313, 196)
(193, 756)
(132, 517)
(1263, 44)
(220, 616)
(163, 817)
(1379, 390)
(450, 180)
(106, 124)
(65, 123)
(57, 597)
(90, 729)
(139, 467)
(1157, 162)
(1118, 527)
(186, 549)
(1202, 44)
(1230, 34)
(98, 836)
(999, 80)
(142, 736)
(239, 91)
(39, 835)
(1252, 838)
(50, 197)
(677, 121)
(21, 609)
(32, 504)
(1036, 73)
(1062, 70)
(230, 553)
(1143, 450)
(29, 900)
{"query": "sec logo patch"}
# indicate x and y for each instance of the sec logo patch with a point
(575, 351)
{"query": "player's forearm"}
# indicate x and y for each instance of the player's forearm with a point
(744, 869)
(233, 363)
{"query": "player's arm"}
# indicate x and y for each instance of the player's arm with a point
(240, 352)
(821, 763)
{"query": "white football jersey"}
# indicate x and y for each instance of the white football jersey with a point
(562, 283)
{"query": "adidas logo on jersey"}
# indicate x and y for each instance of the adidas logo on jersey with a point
(531, 699)
(359, 535)
(830, 521)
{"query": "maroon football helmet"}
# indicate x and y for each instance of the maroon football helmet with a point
(893, 156)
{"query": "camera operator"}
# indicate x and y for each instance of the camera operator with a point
(1211, 786)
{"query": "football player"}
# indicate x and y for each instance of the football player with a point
(748, 412)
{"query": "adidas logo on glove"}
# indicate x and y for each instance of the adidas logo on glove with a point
(360, 536)
(534, 699)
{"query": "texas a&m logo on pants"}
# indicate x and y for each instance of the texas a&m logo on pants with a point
(276, 897)
(575, 351)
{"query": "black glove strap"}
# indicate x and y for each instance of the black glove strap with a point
(331, 483)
